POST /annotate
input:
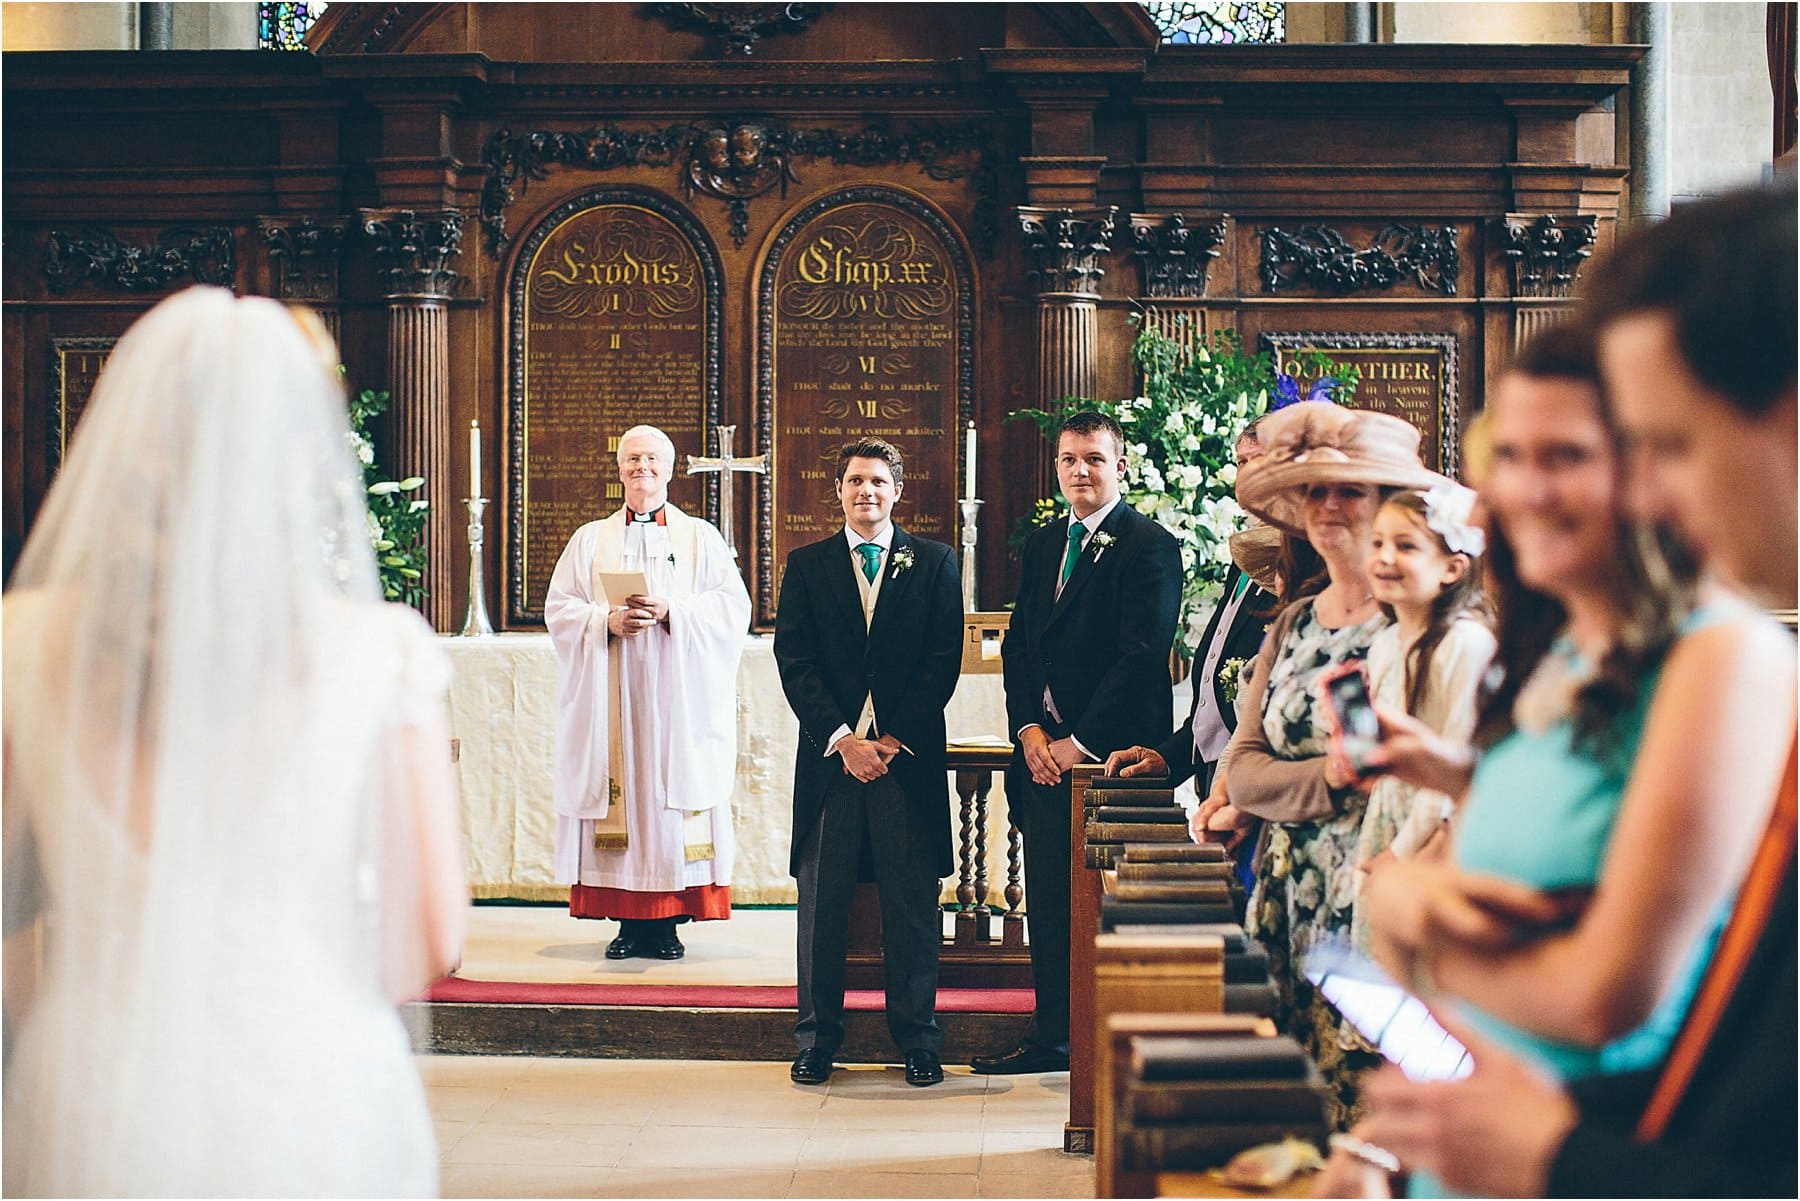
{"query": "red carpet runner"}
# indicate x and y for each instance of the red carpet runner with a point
(718, 996)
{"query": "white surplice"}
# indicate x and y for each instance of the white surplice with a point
(678, 695)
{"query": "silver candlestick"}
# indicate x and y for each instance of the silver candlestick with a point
(971, 515)
(476, 623)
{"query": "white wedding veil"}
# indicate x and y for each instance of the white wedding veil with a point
(199, 678)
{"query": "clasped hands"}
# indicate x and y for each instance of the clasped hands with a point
(1047, 760)
(636, 615)
(867, 758)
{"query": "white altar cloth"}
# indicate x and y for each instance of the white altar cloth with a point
(502, 712)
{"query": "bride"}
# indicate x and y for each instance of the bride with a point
(230, 843)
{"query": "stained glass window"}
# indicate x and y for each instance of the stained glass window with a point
(284, 26)
(1219, 22)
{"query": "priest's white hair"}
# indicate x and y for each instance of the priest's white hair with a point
(648, 431)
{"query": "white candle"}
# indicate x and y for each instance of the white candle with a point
(969, 477)
(474, 460)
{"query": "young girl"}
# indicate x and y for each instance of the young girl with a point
(1429, 662)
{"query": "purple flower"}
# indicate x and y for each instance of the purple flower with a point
(1287, 391)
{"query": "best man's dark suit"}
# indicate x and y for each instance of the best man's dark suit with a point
(1243, 638)
(908, 657)
(1102, 649)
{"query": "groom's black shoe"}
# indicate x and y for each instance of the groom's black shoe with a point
(1022, 1058)
(811, 1066)
(923, 1067)
(622, 947)
(663, 948)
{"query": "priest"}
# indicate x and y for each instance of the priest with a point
(648, 612)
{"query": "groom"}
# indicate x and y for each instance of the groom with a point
(868, 640)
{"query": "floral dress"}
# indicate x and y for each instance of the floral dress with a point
(1306, 876)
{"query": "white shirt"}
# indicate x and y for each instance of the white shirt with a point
(871, 592)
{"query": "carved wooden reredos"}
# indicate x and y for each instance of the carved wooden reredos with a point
(791, 219)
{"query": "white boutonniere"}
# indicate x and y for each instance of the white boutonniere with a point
(1231, 678)
(1102, 540)
(903, 558)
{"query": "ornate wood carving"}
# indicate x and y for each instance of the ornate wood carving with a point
(1317, 256)
(1067, 248)
(1546, 250)
(525, 598)
(206, 254)
(306, 251)
(738, 26)
(418, 249)
(1177, 256)
(371, 28)
(735, 161)
(1398, 374)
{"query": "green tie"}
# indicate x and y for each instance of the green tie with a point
(1243, 584)
(871, 555)
(1077, 531)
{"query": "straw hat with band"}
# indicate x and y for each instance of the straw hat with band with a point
(1308, 444)
(1256, 549)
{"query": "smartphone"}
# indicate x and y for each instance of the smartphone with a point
(1393, 1020)
(1358, 729)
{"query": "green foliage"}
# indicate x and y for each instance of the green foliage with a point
(1180, 437)
(396, 513)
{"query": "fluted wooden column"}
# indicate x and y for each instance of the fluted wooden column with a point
(418, 249)
(1545, 252)
(1067, 249)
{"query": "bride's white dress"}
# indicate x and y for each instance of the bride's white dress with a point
(211, 1019)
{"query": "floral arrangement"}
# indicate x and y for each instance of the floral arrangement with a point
(1180, 438)
(396, 520)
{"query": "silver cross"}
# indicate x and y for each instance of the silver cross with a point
(724, 464)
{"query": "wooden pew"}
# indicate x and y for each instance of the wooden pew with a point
(1160, 977)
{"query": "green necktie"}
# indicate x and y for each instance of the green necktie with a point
(1077, 532)
(871, 555)
(1243, 585)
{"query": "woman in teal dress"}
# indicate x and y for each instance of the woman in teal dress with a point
(1605, 831)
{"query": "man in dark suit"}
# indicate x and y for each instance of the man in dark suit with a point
(1087, 672)
(868, 640)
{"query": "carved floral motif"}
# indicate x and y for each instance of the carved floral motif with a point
(1067, 248)
(735, 161)
(738, 26)
(1546, 250)
(418, 249)
(306, 251)
(1177, 256)
(1318, 256)
(208, 255)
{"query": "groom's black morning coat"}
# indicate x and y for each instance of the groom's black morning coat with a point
(909, 657)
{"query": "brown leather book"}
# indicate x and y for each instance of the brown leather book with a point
(1185, 852)
(1122, 832)
(1129, 870)
(1216, 891)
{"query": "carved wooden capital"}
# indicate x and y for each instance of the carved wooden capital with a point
(206, 254)
(1177, 256)
(306, 250)
(1546, 250)
(1067, 248)
(417, 249)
